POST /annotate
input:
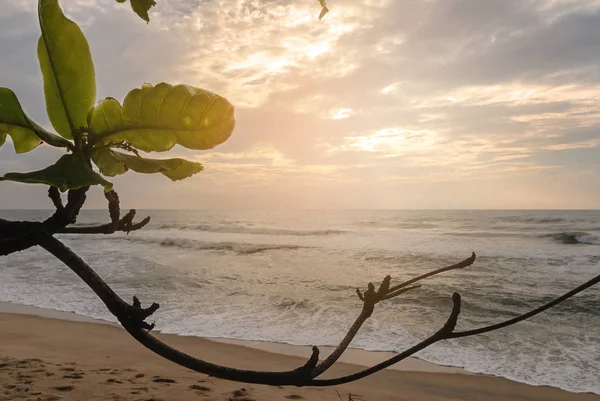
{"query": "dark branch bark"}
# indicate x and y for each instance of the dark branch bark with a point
(447, 332)
(467, 262)
(370, 298)
(529, 314)
(54, 195)
(20, 243)
(20, 235)
(124, 224)
(132, 317)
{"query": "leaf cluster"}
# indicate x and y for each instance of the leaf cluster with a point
(107, 134)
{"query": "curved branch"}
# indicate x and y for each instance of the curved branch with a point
(345, 343)
(132, 318)
(447, 332)
(124, 224)
(529, 314)
(437, 336)
(20, 235)
(460, 265)
(370, 298)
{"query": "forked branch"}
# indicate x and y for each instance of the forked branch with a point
(370, 298)
(133, 317)
(124, 224)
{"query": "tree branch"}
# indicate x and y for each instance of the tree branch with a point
(370, 298)
(132, 318)
(20, 235)
(447, 332)
(124, 224)
(460, 265)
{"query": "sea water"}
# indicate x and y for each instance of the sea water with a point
(290, 277)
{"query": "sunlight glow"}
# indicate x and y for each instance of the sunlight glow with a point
(340, 114)
(389, 141)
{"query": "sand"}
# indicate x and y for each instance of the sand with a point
(46, 359)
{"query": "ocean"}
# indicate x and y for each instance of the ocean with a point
(290, 277)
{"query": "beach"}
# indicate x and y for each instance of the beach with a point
(51, 358)
(263, 287)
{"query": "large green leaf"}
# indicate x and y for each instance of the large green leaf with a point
(67, 69)
(113, 163)
(26, 134)
(154, 119)
(69, 172)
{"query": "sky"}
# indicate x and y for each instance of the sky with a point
(393, 104)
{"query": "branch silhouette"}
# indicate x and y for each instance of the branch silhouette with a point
(133, 317)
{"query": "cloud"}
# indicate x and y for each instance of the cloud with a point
(496, 100)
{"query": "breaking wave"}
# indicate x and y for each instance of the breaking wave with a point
(572, 238)
(242, 248)
(249, 230)
(531, 220)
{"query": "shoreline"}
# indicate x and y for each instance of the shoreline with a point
(354, 356)
(93, 347)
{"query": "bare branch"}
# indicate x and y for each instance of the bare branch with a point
(447, 332)
(54, 195)
(20, 235)
(370, 298)
(114, 209)
(132, 316)
(401, 291)
(467, 262)
(20, 243)
(124, 224)
(529, 314)
(437, 336)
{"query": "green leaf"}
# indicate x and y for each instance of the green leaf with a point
(15, 123)
(113, 163)
(26, 134)
(69, 172)
(154, 119)
(141, 7)
(67, 69)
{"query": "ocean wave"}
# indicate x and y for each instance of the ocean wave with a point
(249, 230)
(403, 225)
(484, 234)
(572, 238)
(243, 248)
(531, 220)
(237, 247)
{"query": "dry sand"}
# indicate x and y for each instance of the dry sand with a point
(53, 359)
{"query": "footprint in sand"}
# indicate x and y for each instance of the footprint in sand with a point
(293, 397)
(74, 376)
(241, 395)
(162, 380)
(64, 388)
(199, 388)
(114, 381)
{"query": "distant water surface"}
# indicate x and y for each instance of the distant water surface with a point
(290, 277)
